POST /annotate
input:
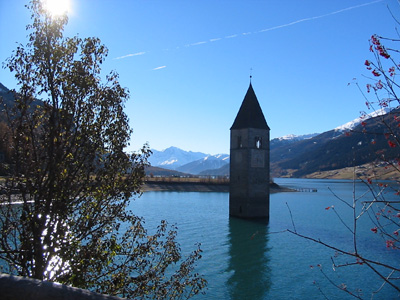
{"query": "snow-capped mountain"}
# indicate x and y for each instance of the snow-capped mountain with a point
(289, 139)
(190, 162)
(209, 162)
(334, 149)
(352, 124)
(292, 137)
(173, 157)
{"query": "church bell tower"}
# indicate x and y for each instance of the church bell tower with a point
(249, 161)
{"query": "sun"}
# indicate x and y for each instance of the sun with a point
(56, 7)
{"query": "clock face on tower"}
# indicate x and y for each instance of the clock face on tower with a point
(257, 158)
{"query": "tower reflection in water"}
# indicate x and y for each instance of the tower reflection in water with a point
(248, 259)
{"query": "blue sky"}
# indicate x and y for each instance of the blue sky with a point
(187, 62)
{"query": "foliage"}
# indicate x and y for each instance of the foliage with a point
(64, 211)
(383, 213)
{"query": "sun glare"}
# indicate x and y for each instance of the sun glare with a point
(56, 7)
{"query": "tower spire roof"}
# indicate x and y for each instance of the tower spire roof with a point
(250, 114)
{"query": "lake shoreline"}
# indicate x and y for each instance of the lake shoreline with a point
(200, 187)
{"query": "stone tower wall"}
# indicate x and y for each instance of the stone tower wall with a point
(249, 173)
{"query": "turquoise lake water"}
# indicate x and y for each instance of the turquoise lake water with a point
(250, 260)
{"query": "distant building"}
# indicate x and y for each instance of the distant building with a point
(249, 161)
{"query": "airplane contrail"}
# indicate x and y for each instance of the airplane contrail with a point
(264, 30)
(159, 68)
(319, 17)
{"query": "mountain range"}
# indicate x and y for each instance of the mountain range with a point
(353, 144)
(198, 163)
(187, 162)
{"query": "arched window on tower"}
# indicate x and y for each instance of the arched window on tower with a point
(258, 142)
(240, 145)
